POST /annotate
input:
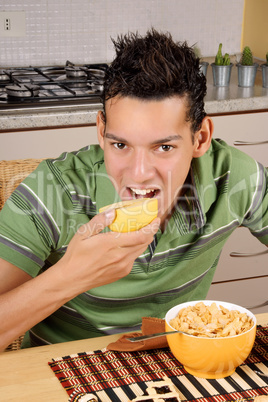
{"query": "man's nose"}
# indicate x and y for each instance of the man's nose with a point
(142, 166)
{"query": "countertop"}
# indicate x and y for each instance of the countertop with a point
(218, 101)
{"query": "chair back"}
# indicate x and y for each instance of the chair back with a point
(11, 174)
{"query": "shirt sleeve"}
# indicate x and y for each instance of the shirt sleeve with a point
(256, 217)
(29, 220)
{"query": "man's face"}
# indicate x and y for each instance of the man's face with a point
(148, 148)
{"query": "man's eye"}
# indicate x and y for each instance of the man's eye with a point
(165, 148)
(119, 145)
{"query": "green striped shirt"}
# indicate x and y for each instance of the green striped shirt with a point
(226, 189)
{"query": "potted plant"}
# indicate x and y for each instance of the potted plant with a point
(221, 69)
(247, 69)
(203, 65)
(265, 73)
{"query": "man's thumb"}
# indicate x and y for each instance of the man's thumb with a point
(100, 221)
(109, 216)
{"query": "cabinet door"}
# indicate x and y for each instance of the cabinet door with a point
(249, 293)
(248, 128)
(45, 143)
(229, 267)
(242, 280)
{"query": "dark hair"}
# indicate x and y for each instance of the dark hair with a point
(154, 67)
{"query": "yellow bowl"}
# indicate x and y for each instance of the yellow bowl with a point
(133, 214)
(210, 357)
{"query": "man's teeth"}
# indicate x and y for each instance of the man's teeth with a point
(142, 192)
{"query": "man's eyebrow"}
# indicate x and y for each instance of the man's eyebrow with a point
(114, 137)
(168, 139)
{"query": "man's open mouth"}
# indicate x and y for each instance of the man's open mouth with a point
(143, 193)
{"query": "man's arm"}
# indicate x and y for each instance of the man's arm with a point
(11, 276)
(92, 259)
(23, 302)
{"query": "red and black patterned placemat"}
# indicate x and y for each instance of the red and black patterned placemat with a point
(120, 376)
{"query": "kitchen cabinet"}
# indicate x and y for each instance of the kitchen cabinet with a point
(245, 127)
(45, 143)
(243, 280)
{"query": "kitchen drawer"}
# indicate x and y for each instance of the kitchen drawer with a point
(45, 143)
(249, 293)
(241, 241)
(248, 127)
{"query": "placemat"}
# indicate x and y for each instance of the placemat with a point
(120, 376)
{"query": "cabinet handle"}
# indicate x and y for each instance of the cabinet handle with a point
(236, 254)
(241, 143)
(258, 305)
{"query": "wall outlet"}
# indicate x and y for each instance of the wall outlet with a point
(12, 24)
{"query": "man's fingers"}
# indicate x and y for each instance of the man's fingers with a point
(97, 224)
(100, 221)
(142, 236)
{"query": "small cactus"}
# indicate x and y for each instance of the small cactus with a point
(197, 51)
(222, 60)
(226, 59)
(247, 57)
(219, 58)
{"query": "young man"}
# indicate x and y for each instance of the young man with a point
(61, 276)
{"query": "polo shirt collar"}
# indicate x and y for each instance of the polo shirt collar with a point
(105, 191)
(200, 193)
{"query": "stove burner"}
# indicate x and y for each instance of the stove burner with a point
(22, 90)
(77, 84)
(96, 73)
(3, 76)
(74, 72)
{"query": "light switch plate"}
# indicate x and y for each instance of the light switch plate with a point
(12, 24)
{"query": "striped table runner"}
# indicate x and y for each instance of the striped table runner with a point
(120, 376)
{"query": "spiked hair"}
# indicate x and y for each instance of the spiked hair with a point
(154, 67)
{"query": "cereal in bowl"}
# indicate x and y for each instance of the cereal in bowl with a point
(211, 321)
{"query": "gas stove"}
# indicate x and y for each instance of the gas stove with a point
(26, 87)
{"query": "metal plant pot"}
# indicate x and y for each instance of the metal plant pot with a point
(247, 75)
(221, 93)
(203, 67)
(221, 75)
(264, 75)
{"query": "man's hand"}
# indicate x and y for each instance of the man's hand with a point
(94, 259)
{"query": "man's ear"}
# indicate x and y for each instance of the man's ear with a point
(203, 137)
(100, 128)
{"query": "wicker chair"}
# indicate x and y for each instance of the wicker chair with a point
(11, 174)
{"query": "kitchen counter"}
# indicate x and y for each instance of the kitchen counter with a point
(218, 101)
(48, 117)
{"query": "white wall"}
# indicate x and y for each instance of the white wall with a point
(80, 30)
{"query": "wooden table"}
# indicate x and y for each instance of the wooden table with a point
(26, 376)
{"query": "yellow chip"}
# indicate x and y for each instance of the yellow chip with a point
(133, 214)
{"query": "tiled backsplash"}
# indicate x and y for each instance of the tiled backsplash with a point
(80, 30)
